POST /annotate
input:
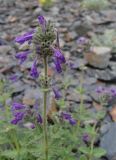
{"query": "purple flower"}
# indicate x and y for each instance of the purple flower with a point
(36, 105)
(86, 137)
(39, 119)
(113, 91)
(17, 106)
(14, 78)
(14, 121)
(66, 116)
(18, 117)
(42, 21)
(100, 89)
(34, 72)
(69, 118)
(57, 65)
(32, 126)
(72, 121)
(59, 55)
(22, 56)
(57, 94)
(26, 37)
(82, 40)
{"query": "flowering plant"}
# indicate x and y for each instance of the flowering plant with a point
(44, 43)
(63, 137)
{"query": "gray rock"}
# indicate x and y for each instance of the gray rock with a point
(108, 142)
(104, 128)
(37, 11)
(113, 65)
(83, 28)
(106, 75)
(110, 15)
(103, 75)
(93, 94)
(4, 49)
(78, 63)
(55, 10)
(31, 95)
(76, 97)
(89, 81)
(98, 56)
(75, 25)
(17, 87)
(7, 3)
(3, 42)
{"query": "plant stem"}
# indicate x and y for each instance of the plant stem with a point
(92, 145)
(45, 108)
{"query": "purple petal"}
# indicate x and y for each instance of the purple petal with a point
(100, 89)
(14, 121)
(82, 40)
(113, 91)
(41, 20)
(72, 121)
(34, 71)
(17, 106)
(57, 94)
(66, 116)
(32, 126)
(13, 78)
(39, 119)
(59, 55)
(22, 56)
(57, 65)
(19, 115)
(86, 138)
(26, 37)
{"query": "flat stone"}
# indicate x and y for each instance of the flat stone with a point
(106, 75)
(110, 15)
(3, 42)
(4, 49)
(70, 36)
(55, 10)
(98, 57)
(37, 11)
(108, 142)
(89, 81)
(17, 87)
(75, 97)
(31, 95)
(76, 64)
(112, 65)
(83, 28)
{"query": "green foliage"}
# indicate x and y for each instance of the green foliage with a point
(98, 152)
(108, 39)
(95, 4)
(65, 141)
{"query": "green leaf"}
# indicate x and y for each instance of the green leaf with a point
(84, 150)
(10, 154)
(90, 130)
(83, 157)
(100, 114)
(98, 152)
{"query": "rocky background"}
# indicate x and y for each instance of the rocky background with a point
(17, 16)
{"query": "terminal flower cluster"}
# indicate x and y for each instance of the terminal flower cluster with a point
(43, 42)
